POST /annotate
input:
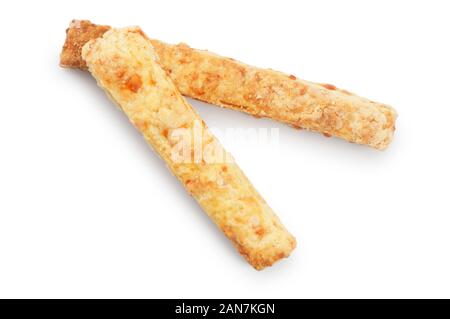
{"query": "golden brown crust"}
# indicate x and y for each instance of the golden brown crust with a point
(267, 93)
(125, 65)
(262, 93)
(77, 35)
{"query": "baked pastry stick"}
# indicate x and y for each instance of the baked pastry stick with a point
(262, 93)
(125, 65)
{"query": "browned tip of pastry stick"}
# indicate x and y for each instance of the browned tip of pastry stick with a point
(262, 93)
(77, 35)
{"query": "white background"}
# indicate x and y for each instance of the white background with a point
(88, 210)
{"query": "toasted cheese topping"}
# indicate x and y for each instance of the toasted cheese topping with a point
(126, 66)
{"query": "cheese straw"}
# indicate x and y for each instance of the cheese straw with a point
(262, 93)
(125, 65)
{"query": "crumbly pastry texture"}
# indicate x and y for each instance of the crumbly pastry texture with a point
(262, 93)
(126, 66)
